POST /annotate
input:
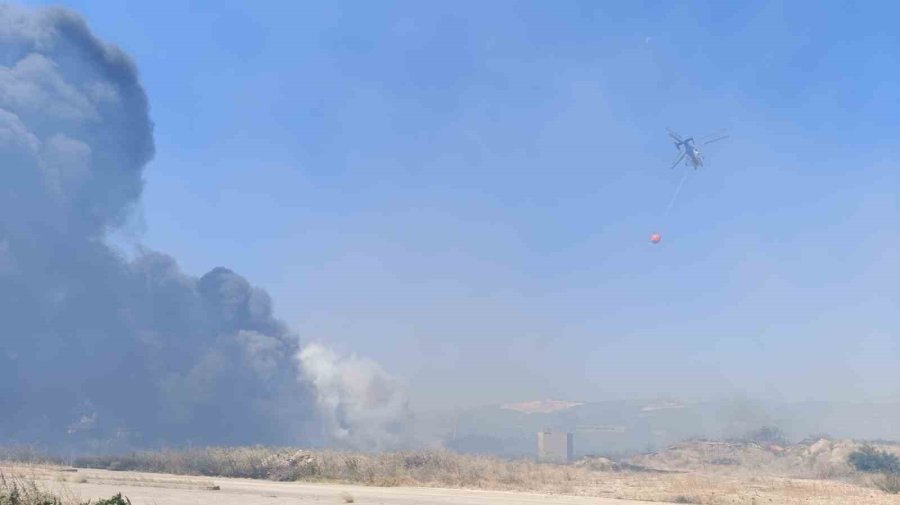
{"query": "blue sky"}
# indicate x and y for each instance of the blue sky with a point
(465, 192)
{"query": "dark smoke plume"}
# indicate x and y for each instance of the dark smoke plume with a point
(95, 347)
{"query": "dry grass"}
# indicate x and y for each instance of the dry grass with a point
(22, 491)
(430, 468)
(750, 476)
(718, 489)
(889, 483)
(47, 474)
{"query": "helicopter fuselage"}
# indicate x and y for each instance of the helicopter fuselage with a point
(688, 150)
(694, 157)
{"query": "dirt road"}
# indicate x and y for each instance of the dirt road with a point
(162, 489)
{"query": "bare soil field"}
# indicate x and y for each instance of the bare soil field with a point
(161, 489)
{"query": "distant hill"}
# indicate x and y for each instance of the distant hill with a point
(634, 426)
(540, 406)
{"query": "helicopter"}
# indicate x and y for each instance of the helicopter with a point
(688, 149)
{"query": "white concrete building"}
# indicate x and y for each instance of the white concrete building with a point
(555, 447)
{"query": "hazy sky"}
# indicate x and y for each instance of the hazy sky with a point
(464, 191)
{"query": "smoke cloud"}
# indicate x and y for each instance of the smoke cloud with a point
(98, 349)
(363, 406)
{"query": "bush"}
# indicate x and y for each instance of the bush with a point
(21, 492)
(871, 460)
(115, 500)
(889, 483)
(18, 491)
(767, 435)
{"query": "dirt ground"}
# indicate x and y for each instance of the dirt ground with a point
(162, 489)
(739, 484)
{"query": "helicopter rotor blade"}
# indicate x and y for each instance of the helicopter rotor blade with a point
(678, 160)
(674, 135)
(716, 139)
(718, 133)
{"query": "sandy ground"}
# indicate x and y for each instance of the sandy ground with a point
(162, 489)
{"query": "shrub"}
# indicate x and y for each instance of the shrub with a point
(871, 460)
(889, 483)
(767, 435)
(115, 500)
(18, 491)
(22, 492)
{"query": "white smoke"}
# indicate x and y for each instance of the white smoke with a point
(362, 405)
